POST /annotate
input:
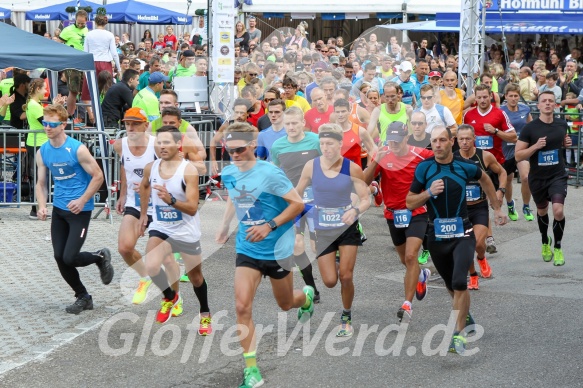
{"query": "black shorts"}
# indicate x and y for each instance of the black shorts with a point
(479, 214)
(510, 166)
(328, 241)
(543, 190)
(178, 246)
(130, 211)
(417, 228)
(275, 269)
(452, 259)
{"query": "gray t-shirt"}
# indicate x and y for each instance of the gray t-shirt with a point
(255, 34)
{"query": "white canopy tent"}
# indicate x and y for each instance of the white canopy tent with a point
(349, 6)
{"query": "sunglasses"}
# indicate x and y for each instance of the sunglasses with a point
(237, 150)
(252, 74)
(416, 123)
(319, 70)
(426, 97)
(268, 99)
(51, 124)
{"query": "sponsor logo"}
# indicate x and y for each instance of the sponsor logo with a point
(139, 172)
(225, 37)
(224, 50)
(42, 16)
(147, 17)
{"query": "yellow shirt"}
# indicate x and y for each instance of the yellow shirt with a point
(301, 102)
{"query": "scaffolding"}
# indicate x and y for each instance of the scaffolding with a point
(472, 42)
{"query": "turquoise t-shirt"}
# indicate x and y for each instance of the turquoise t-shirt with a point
(292, 157)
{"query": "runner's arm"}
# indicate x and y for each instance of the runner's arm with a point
(372, 123)
(190, 206)
(489, 189)
(305, 178)
(361, 188)
(496, 168)
(507, 136)
(41, 183)
(89, 164)
(223, 233)
(524, 152)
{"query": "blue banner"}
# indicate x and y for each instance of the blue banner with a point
(535, 5)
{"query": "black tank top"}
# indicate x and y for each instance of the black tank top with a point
(478, 160)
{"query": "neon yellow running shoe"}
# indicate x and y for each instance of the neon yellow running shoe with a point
(547, 253)
(177, 310)
(559, 259)
(512, 213)
(142, 291)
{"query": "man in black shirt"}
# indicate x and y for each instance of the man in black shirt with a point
(20, 91)
(119, 98)
(541, 142)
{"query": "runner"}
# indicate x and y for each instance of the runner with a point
(396, 163)
(478, 211)
(77, 177)
(541, 142)
(291, 154)
(519, 115)
(441, 181)
(265, 203)
(135, 151)
(354, 136)
(333, 178)
(172, 184)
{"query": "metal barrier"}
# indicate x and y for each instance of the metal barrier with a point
(15, 168)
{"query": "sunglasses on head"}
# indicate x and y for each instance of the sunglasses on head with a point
(237, 150)
(51, 124)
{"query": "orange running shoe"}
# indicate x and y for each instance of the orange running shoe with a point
(165, 311)
(485, 269)
(473, 283)
(205, 327)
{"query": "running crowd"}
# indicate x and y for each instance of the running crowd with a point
(315, 139)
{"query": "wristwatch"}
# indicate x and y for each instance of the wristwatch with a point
(496, 131)
(272, 225)
(502, 189)
(172, 199)
(356, 210)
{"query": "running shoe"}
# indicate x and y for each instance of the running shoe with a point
(421, 290)
(304, 314)
(559, 259)
(378, 197)
(485, 269)
(316, 298)
(82, 303)
(404, 313)
(469, 323)
(251, 378)
(345, 329)
(547, 253)
(512, 213)
(184, 278)
(205, 327)
(527, 213)
(422, 259)
(178, 258)
(142, 291)
(104, 265)
(362, 235)
(32, 215)
(491, 245)
(178, 309)
(473, 283)
(457, 344)
(166, 306)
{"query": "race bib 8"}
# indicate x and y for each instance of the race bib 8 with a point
(308, 195)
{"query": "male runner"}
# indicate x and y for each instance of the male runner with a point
(396, 163)
(291, 154)
(172, 184)
(136, 151)
(541, 142)
(441, 182)
(77, 177)
(478, 211)
(265, 203)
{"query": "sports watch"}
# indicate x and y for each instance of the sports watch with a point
(272, 224)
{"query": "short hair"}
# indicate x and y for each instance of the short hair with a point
(512, 87)
(129, 74)
(547, 92)
(241, 127)
(176, 135)
(485, 75)
(243, 102)
(170, 92)
(135, 62)
(268, 67)
(370, 66)
(276, 102)
(466, 127)
(425, 88)
(391, 84)
(345, 93)
(418, 112)
(316, 89)
(443, 127)
(329, 80)
(552, 75)
(172, 111)
(82, 13)
(294, 111)
(290, 82)
(481, 87)
(248, 90)
(274, 91)
(527, 70)
(330, 128)
(154, 59)
(57, 110)
(342, 103)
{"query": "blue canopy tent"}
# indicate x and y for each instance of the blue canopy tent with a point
(4, 13)
(141, 13)
(57, 11)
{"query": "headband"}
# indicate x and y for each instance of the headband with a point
(246, 136)
(332, 135)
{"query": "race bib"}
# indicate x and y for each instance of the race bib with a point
(249, 211)
(137, 199)
(63, 171)
(449, 227)
(168, 214)
(472, 192)
(402, 218)
(548, 158)
(330, 218)
(484, 142)
(308, 195)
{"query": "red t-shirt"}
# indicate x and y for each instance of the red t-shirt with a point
(314, 118)
(485, 140)
(397, 173)
(254, 117)
(158, 45)
(352, 145)
(171, 38)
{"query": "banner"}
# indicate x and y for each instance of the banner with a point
(223, 41)
(536, 5)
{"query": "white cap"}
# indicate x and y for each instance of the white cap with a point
(406, 66)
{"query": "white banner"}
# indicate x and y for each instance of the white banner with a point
(223, 50)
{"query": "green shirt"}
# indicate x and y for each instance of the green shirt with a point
(5, 86)
(157, 124)
(182, 71)
(75, 37)
(147, 100)
(144, 82)
(34, 110)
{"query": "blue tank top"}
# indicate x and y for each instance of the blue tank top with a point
(71, 180)
(518, 120)
(331, 192)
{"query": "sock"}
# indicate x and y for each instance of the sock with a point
(474, 274)
(408, 303)
(558, 229)
(526, 205)
(347, 313)
(543, 225)
(422, 278)
(161, 281)
(511, 203)
(306, 269)
(145, 278)
(202, 295)
(250, 359)
(480, 258)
